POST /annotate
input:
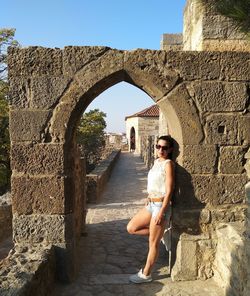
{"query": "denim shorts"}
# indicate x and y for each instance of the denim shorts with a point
(154, 209)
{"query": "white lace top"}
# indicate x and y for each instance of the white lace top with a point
(156, 178)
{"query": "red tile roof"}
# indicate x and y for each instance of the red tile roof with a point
(152, 111)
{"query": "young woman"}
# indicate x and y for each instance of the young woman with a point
(152, 219)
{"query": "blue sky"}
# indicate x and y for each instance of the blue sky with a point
(118, 24)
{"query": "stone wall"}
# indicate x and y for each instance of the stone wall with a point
(27, 271)
(98, 178)
(204, 95)
(205, 29)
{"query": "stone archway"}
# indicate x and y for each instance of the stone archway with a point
(50, 88)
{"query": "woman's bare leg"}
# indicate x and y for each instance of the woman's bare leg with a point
(155, 235)
(139, 224)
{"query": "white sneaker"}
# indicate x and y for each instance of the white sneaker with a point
(140, 278)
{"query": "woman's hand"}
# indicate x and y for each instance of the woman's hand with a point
(159, 218)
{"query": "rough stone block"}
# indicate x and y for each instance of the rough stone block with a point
(235, 66)
(28, 125)
(38, 159)
(227, 129)
(232, 160)
(34, 61)
(77, 57)
(28, 270)
(221, 189)
(231, 261)
(215, 27)
(195, 65)
(43, 228)
(45, 92)
(182, 115)
(147, 69)
(200, 159)
(42, 195)
(196, 190)
(228, 213)
(18, 92)
(187, 219)
(185, 267)
(220, 96)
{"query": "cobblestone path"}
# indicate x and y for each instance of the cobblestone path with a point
(109, 254)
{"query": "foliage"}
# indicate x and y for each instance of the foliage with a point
(237, 10)
(91, 136)
(6, 40)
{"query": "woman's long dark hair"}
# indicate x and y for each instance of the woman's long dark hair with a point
(170, 142)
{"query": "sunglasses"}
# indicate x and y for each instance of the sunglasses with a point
(165, 148)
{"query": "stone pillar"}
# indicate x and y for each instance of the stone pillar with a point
(43, 182)
(205, 29)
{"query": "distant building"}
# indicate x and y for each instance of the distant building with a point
(144, 123)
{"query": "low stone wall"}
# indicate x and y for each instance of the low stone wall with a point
(5, 216)
(27, 271)
(231, 265)
(97, 179)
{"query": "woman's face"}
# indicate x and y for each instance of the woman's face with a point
(162, 149)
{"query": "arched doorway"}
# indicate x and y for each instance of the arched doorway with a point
(132, 138)
(90, 81)
(48, 98)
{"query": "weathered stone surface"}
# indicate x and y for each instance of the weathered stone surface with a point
(28, 125)
(28, 270)
(38, 158)
(231, 262)
(205, 254)
(221, 189)
(43, 228)
(204, 29)
(195, 65)
(77, 57)
(46, 91)
(147, 69)
(183, 116)
(196, 190)
(86, 87)
(34, 61)
(200, 159)
(235, 66)
(227, 213)
(42, 195)
(220, 96)
(227, 129)
(185, 267)
(226, 45)
(5, 222)
(232, 160)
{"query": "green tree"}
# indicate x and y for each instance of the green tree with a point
(236, 10)
(91, 136)
(6, 40)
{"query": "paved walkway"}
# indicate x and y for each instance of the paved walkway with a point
(109, 254)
